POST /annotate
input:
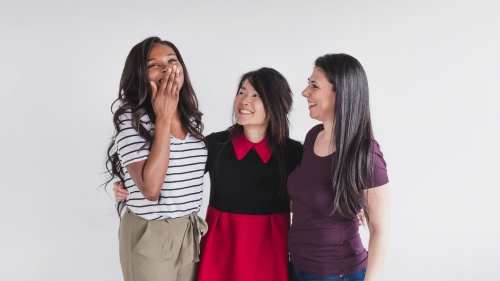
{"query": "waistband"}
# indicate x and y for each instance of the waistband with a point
(196, 228)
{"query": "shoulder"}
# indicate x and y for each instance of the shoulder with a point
(126, 119)
(218, 137)
(380, 176)
(313, 132)
(375, 149)
(316, 129)
(294, 153)
(126, 116)
(217, 140)
(294, 145)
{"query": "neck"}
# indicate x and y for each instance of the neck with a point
(176, 118)
(176, 127)
(255, 134)
(328, 129)
(327, 137)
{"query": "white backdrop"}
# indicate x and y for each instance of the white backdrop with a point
(433, 70)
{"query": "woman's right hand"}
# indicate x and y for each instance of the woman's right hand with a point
(120, 192)
(166, 98)
(360, 217)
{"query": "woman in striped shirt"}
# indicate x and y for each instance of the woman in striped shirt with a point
(249, 211)
(159, 153)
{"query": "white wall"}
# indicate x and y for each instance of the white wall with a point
(433, 69)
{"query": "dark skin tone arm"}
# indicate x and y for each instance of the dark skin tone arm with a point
(149, 174)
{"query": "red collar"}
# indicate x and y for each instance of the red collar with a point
(242, 146)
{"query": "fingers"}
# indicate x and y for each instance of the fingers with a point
(170, 84)
(360, 216)
(120, 194)
(171, 80)
(177, 83)
(154, 90)
(175, 89)
(167, 96)
(164, 83)
(119, 191)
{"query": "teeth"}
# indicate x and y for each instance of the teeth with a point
(311, 103)
(244, 111)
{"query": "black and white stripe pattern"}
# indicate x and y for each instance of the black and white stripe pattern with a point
(182, 189)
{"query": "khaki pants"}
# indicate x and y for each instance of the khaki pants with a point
(160, 250)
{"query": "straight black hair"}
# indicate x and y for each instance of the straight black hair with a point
(277, 98)
(352, 133)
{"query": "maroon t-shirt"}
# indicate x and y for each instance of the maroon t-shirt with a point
(318, 242)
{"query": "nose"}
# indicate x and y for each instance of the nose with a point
(245, 100)
(306, 93)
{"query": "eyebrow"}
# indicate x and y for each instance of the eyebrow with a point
(169, 55)
(243, 88)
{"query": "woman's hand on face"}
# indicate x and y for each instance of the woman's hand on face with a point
(120, 192)
(166, 98)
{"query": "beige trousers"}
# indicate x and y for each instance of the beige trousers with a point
(160, 250)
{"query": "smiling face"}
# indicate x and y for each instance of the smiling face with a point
(160, 59)
(248, 107)
(320, 96)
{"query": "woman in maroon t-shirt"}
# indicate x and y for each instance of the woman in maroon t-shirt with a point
(342, 172)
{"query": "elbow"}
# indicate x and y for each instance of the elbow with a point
(151, 196)
(379, 231)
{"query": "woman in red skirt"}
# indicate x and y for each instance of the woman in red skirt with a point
(249, 210)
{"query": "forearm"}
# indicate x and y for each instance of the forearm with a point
(156, 166)
(378, 199)
(377, 250)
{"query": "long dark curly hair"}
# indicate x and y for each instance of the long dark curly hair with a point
(135, 95)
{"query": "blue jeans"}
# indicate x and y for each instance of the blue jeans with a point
(300, 275)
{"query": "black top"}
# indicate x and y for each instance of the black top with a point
(246, 186)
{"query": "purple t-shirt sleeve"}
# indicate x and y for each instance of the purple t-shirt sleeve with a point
(379, 166)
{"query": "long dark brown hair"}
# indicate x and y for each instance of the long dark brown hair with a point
(134, 95)
(277, 98)
(352, 160)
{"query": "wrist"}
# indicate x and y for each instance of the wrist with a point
(163, 124)
(164, 120)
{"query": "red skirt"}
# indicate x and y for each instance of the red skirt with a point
(244, 247)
